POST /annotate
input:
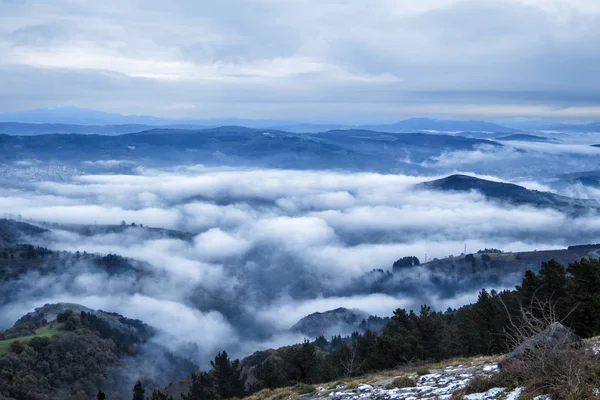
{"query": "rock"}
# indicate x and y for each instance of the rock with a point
(555, 334)
(440, 384)
(490, 394)
(515, 394)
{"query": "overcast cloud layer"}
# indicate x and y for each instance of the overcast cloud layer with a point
(268, 246)
(303, 58)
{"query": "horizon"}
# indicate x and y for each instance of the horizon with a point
(68, 113)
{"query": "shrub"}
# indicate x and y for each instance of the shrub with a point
(303, 388)
(17, 347)
(401, 382)
(481, 384)
(422, 371)
(563, 374)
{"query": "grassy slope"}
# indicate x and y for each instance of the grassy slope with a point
(45, 331)
(294, 392)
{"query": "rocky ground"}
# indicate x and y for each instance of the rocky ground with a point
(438, 384)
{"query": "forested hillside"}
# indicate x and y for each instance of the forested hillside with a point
(79, 354)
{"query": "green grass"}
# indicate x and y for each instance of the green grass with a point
(45, 331)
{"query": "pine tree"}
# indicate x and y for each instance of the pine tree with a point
(227, 379)
(158, 395)
(138, 391)
(584, 297)
(553, 278)
(101, 395)
(200, 389)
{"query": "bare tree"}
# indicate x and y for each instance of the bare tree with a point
(548, 358)
(350, 361)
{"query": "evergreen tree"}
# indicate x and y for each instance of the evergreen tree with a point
(158, 395)
(227, 379)
(272, 372)
(200, 389)
(584, 297)
(528, 288)
(553, 280)
(101, 395)
(138, 391)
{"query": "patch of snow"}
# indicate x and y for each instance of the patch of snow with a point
(515, 394)
(490, 368)
(440, 384)
(490, 394)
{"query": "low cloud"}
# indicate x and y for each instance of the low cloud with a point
(266, 247)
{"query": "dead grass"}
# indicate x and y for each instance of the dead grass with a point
(275, 394)
(404, 372)
(401, 382)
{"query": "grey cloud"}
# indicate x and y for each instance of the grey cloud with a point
(302, 59)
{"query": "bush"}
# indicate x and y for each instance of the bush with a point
(401, 382)
(422, 371)
(563, 374)
(481, 384)
(303, 388)
(17, 347)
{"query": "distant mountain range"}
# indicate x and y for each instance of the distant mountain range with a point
(78, 120)
(28, 129)
(241, 146)
(510, 193)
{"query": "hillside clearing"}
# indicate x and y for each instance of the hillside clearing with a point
(45, 331)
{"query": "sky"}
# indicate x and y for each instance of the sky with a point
(299, 59)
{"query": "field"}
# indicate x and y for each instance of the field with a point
(45, 331)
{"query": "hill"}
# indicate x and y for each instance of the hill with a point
(415, 147)
(522, 137)
(146, 231)
(24, 129)
(587, 178)
(424, 342)
(79, 351)
(239, 146)
(485, 264)
(333, 322)
(441, 125)
(12, 231)
(510, 193)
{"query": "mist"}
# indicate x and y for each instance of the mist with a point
(266, 247)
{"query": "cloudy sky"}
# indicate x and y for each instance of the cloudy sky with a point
(304, 58)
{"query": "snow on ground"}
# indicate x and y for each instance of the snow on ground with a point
(439, 384)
